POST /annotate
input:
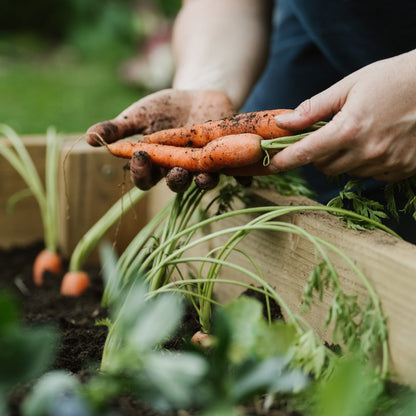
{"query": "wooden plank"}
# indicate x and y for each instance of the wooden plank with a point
(388, 263)
(22, 226)
(92, 180)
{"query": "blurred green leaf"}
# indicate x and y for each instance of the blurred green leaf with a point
(352, 390)
(47, 391)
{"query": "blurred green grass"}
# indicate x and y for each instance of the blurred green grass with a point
(69, 95)
(62, 70)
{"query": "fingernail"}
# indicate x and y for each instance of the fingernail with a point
(284, 117)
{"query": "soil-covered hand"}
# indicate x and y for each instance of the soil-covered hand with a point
(373, 132)
(165, 109)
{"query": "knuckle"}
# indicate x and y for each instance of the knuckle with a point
(302, 155)
(305, 107)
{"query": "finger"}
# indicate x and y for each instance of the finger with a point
(391, 176)
(325, 142)
(143, 173)
(320, 107)
(132, 120)
(339, 163)
(178, 179)
(149, 113)
(257, 169)
(206, 181)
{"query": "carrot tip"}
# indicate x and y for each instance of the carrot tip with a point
(202, 340)
(74, 283)
(45, 261)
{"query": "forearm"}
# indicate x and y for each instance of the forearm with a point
(221, 45)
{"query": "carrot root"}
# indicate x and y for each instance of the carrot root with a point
(202, 340)
(45, 261)
(198, 135)
(74, 283)
(225, 152)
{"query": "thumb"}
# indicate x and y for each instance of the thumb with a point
(320, 107)
(125, 124)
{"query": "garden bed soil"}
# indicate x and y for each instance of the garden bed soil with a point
(81, 340)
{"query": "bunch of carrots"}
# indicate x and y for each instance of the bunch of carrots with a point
(214, 146)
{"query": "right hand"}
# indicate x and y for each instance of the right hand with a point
(164, 109)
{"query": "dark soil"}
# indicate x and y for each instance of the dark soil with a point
(81, 340)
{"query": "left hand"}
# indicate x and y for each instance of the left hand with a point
(373, 131)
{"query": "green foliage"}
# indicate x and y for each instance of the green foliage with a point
(352, 390)
(14, 151)
(48, 391)
(169, 7)
(351, 198)
(25, 352)
(103, 30)
(67, 93)
(285, 183)
(400, 198)
(360, 329)
(404, 190)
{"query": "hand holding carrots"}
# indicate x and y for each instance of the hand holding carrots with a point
(373, 132)
(230, 145)
(162, 110)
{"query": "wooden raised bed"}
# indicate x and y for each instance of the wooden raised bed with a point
(90, 179)
(388, 263)
(92, 183)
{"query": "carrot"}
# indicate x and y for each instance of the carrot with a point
(225, 152)
(202, 340)
(46, 260)
(74, 283)
(198, 135)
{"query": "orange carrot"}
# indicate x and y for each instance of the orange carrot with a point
(198, 135)
(226, 152)
(46, 260)
(74, 283)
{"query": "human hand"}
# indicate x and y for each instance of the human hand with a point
(158, 111)
(373, 131)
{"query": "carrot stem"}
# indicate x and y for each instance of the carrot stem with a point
(280, 143)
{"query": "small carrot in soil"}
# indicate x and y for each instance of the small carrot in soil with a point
(261, 123)
(225, 152)
(46, 260)
(202, 340)
(74, 283)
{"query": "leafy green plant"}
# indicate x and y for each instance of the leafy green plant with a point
(248, 357)
(400, 197)
(351, 198)
(161, 249)
(15, 152)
